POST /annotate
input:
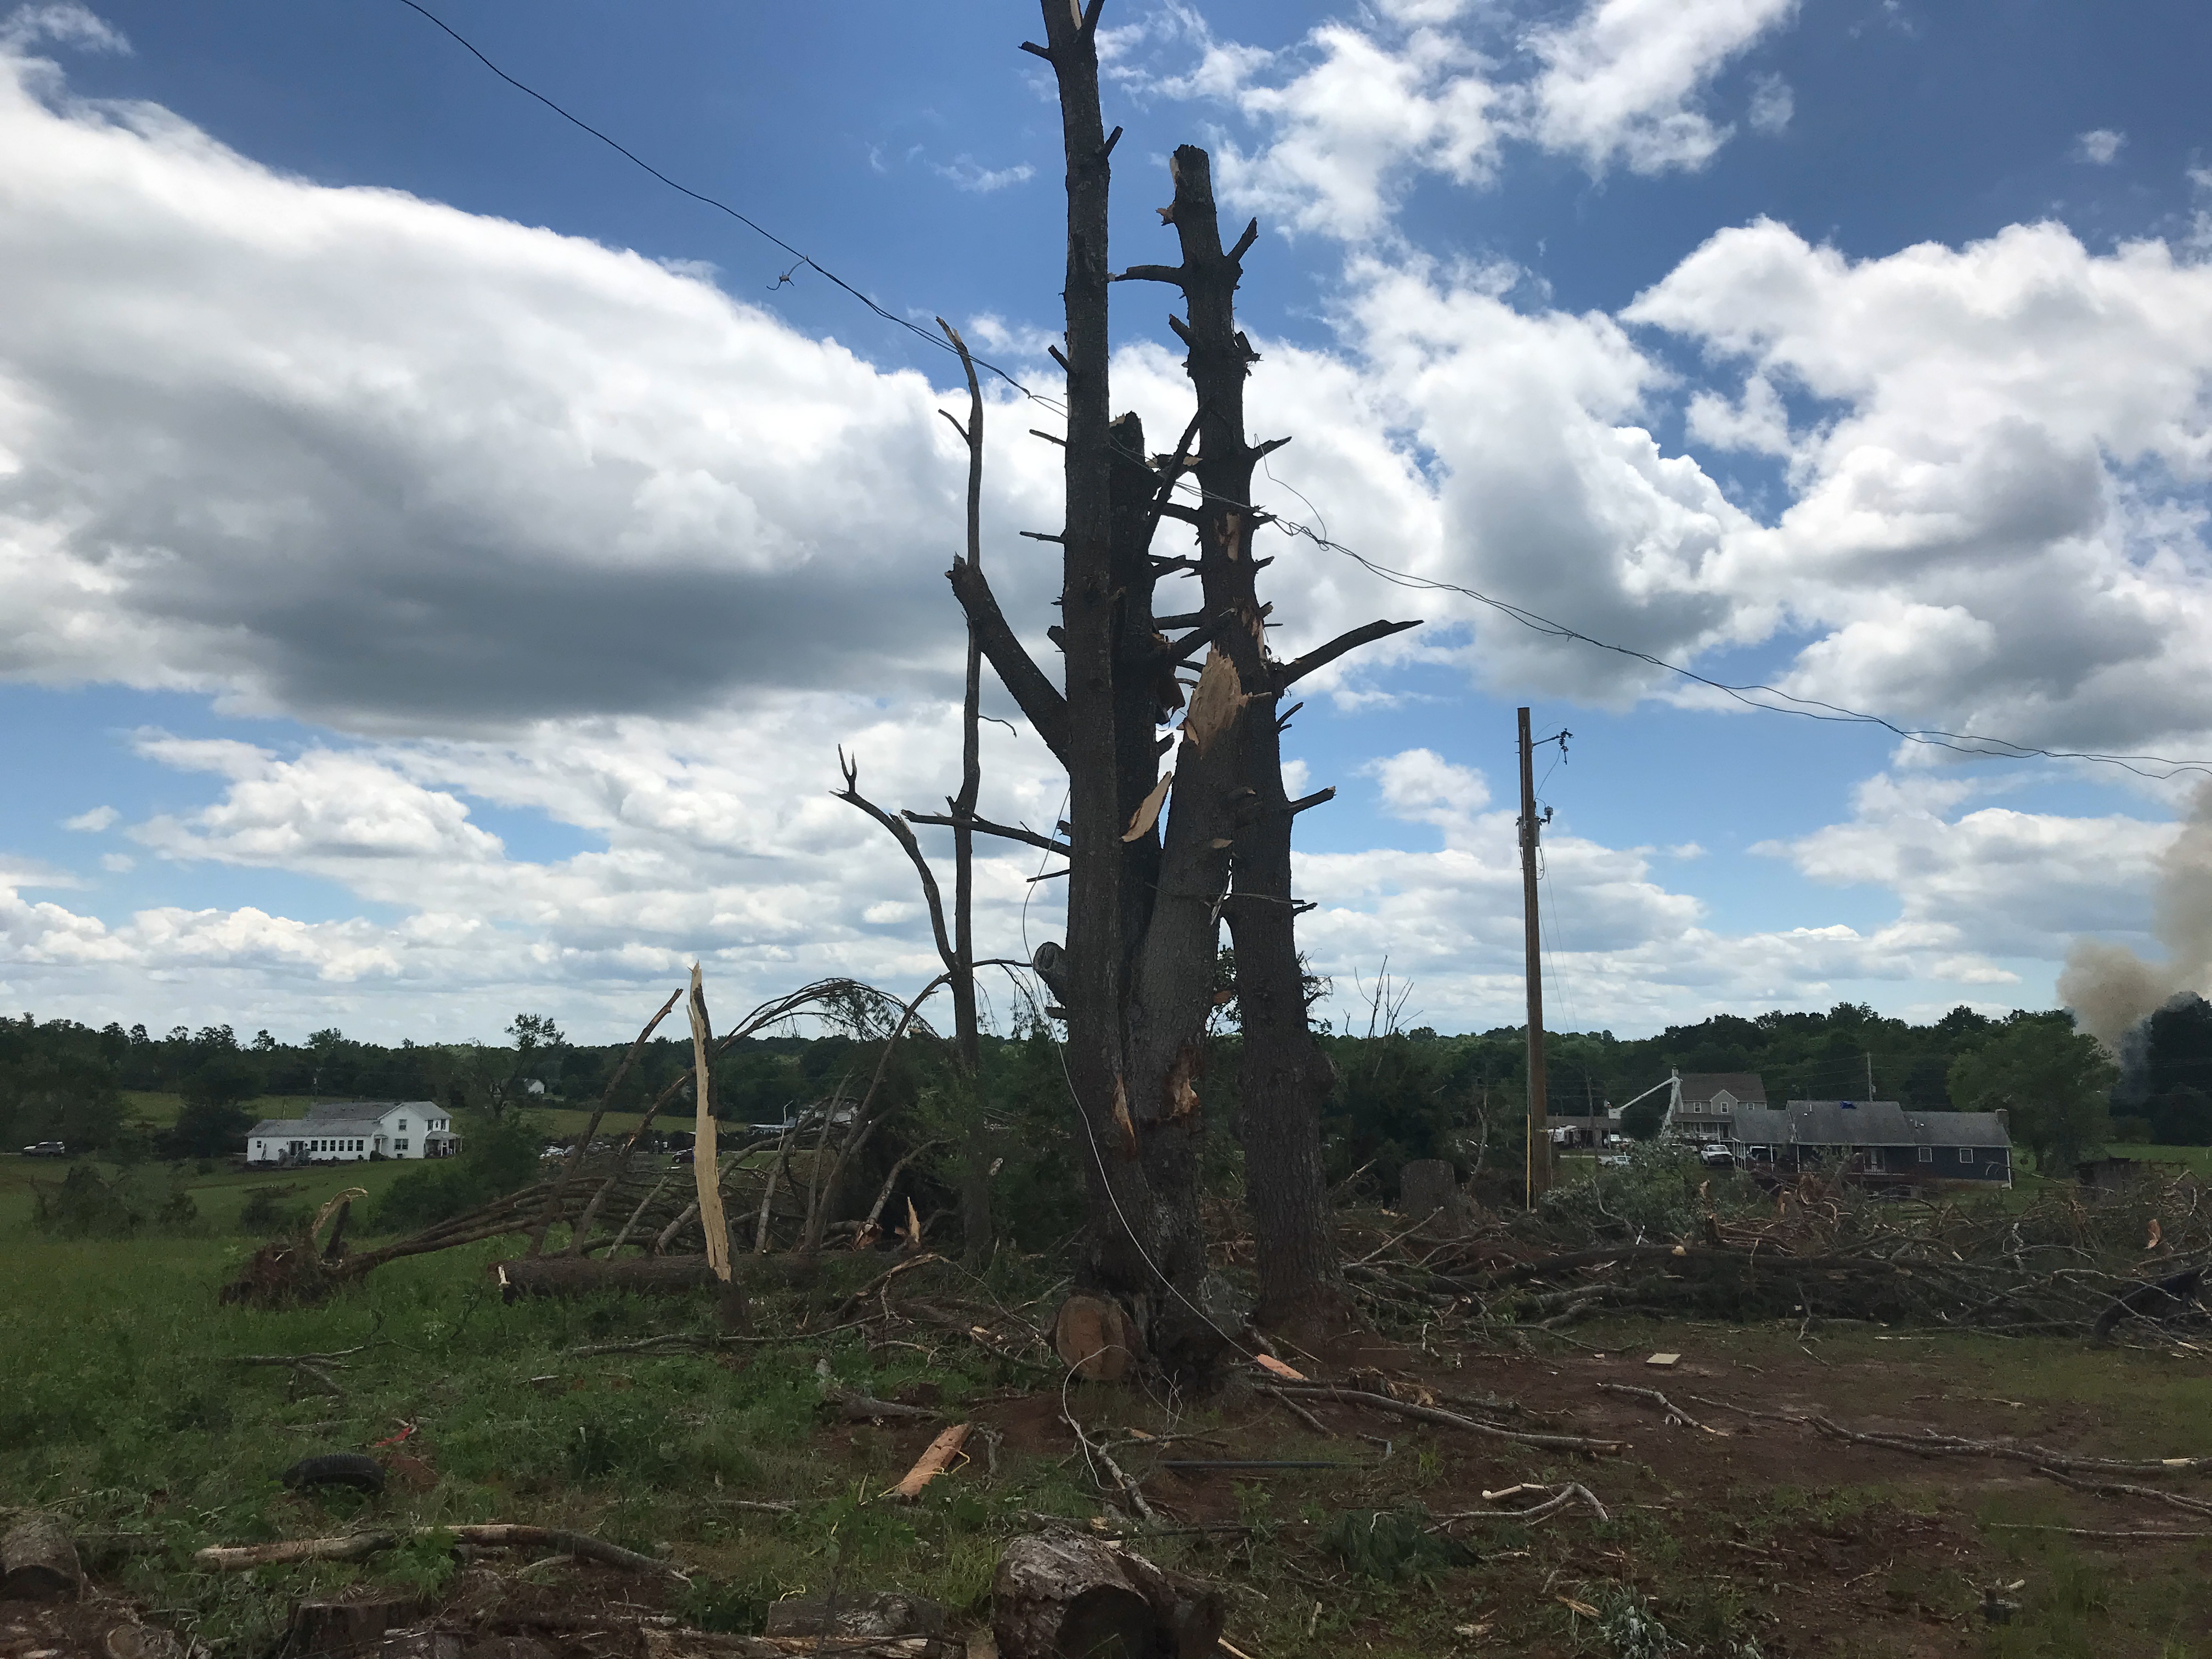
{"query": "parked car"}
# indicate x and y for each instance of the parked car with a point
(683, 1157)
(46, 1149)
(1612, 1160)
(1715, 1156)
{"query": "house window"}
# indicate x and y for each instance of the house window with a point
(1927, 1154)
(1966, 1155)
(402, 1122)
(400, 1145)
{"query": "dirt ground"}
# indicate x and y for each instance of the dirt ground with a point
(1740, 1534)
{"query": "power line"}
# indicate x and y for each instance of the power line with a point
(1966, 742)
(719, 206)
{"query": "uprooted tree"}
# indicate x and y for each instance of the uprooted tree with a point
(1152, 877)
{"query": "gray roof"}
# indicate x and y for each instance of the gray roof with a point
(335, 1117)
(1867, 1123)
(1697, 1087)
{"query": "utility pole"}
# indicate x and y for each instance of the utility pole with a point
(1869, 1060)
(1540, 1137)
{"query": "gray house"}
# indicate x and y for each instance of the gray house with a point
(1877, 1142)
(1704, 1105)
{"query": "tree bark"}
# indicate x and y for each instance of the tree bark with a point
(1285, 1077)
(37, 1562)
(1059, 1594)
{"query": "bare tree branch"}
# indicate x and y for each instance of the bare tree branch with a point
(851, 796)
(1040, 701)
(984, 826)
(1322, 655)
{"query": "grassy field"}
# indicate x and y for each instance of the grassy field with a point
(129, 1410)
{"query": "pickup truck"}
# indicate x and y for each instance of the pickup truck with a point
(46, 1149)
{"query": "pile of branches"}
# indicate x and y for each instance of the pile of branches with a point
(2128, 1264)
(799, 1185)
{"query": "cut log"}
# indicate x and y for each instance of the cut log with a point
(1096, 1338)
(38, 1563)
(641, 1276)
(1056, 1594)
(350, 1624)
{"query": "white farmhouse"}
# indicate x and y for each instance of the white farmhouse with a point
(349, 1131)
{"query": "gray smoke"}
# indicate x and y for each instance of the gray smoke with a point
(2111, 990)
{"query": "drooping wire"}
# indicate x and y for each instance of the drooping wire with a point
(801, 257)
(1750, 694)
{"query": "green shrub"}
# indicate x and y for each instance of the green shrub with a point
(87, 1204)
(1392, 1546)
(498, 1158)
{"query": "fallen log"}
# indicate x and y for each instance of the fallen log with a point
(571, 1275)
(357, 1546)
(1057, 1593)
(37, 1562)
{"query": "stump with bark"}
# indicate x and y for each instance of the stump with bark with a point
(1057, 1593)
(1429, 1187)
(346, 1624)
(1095, 1337)
(37, 1562)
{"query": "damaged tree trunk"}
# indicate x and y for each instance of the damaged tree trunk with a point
(1285, 1077)
(1151, 877)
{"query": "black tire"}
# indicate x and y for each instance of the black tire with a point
(336, 1469)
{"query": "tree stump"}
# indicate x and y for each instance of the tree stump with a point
(1429, 1187)
(1058, 1595)
(38, 1563)
(348, 1626)
(570, 1275)
(1096, 1338)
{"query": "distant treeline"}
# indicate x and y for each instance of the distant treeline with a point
(1398, 1096)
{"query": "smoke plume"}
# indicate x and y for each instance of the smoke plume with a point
(2111, 990)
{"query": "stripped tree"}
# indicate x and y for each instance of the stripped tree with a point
(1151, 881)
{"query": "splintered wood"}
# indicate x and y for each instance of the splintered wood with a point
(705, 1169)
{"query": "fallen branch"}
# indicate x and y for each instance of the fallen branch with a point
(355, 1546)
(1674, 1412)
(2124, 1489)
(882, 1280)
(864, 1408)
(705, 1341)
(1561, 1496)
(1382, 1402)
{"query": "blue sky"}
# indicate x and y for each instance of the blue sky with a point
(442, 560)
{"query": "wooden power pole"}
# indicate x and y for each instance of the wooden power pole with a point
(1540, 1136)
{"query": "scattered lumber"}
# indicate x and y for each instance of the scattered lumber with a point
(1057, 1593)
(37, 1562)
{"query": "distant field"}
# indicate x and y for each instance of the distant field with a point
(219, 1196)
